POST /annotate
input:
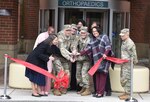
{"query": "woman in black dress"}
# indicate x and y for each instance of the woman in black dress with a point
(39, 57)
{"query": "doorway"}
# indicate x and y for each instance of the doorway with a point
(46, 19)
(120, 21)
(94, 17)
(69, 16)
(88, 15)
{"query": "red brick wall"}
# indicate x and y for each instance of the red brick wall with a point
(31, 18)
(8, 24)
(140, 21)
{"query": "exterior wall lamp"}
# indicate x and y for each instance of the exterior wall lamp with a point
(5, 12)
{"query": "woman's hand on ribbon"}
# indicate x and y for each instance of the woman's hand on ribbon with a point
(104, 56)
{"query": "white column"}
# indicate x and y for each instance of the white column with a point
(42, 25)
(84, 15)
(61, 18)
(110, 24)
(56, 19)
(105, 22)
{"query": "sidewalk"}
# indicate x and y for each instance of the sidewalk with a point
(24, 95)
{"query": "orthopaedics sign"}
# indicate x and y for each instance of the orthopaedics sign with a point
(82, 3)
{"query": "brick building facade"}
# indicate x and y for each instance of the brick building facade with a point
(8, 29)
(19, 30)
(140, 26)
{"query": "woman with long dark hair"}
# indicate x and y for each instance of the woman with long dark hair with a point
(39, 57)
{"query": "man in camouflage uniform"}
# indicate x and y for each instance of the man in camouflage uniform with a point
(74, 37)
(83, 63)
(74, 29)
(63, 63)
(128, 50)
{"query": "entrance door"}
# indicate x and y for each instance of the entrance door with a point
(74, 14)
(96, 17)
(69, 16)
(47, 18)
(120, 21)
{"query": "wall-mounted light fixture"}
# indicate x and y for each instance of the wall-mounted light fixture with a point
(5, 12)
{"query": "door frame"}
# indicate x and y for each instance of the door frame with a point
(105, 17)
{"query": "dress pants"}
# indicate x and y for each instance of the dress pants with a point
(100, 82)
(107, 86)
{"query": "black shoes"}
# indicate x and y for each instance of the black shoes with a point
(94, 95)
(43, 94)
(39, 95)
(98, 95)
(108, 93)
(36, 95)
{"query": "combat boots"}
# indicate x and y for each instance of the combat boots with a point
(86, 92)
(124, 96)
(63, 91)
(57, 92)
(82, 90)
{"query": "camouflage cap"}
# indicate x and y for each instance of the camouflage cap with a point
(83, 29)
(74, 26)
(67, 27)
(124, 32)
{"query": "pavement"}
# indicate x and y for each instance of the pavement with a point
(24, 95)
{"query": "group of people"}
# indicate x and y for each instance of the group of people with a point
(75, 43)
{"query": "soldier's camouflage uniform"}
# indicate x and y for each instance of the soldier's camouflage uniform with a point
(83, 63)
(128, 50)
(63, 62)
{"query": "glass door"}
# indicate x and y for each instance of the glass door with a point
(68, 16)
(94, 16)
(52, 18)
(72, 16)
(120, 21)
(46, 19)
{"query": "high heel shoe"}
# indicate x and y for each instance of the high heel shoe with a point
(99, 95)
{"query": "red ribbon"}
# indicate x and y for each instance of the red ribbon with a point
(112, 59)
(62, 81)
